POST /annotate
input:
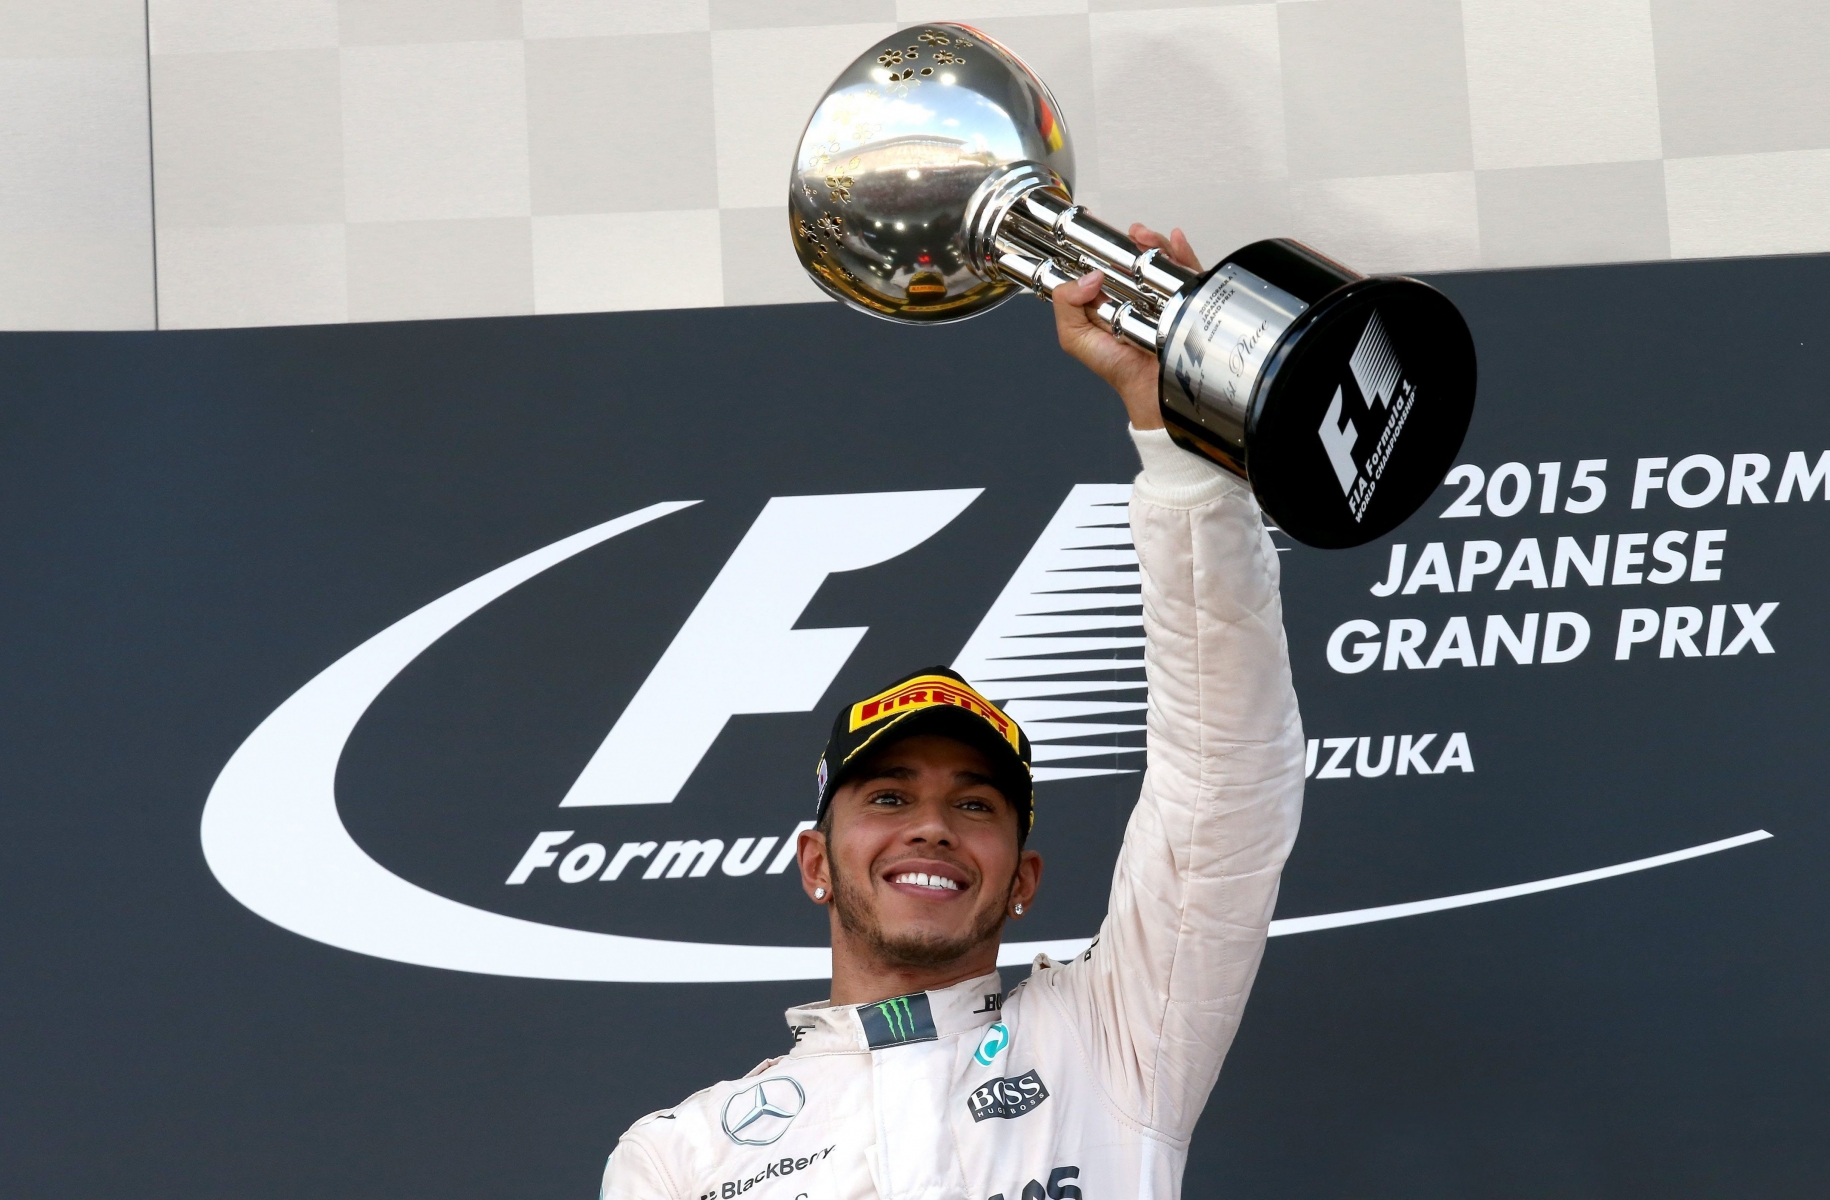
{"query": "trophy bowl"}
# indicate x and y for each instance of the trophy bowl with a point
(935, 180)
(893, 158)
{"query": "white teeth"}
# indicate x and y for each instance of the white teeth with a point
(919, 879)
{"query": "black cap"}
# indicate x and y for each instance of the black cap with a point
(933, 700)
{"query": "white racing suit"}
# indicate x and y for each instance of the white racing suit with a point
(1085, 1081)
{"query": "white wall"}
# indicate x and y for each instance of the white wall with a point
(75, 180)
(317, 161)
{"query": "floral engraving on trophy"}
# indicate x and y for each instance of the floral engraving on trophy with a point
(824, 258)
(898, 83)
(890, 58)
(838, 188)
(822, 154)
(827, 260)
(947, 59)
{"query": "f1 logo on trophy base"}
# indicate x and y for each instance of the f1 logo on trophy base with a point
(933, 183)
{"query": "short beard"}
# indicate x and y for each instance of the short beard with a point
(856, 915)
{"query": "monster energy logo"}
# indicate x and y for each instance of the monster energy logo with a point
(901, 1019)
(898, 1020)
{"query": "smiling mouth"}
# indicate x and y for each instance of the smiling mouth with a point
(939, 883)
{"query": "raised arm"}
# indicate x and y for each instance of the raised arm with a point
(1157, 1000)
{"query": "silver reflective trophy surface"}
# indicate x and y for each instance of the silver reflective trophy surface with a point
(935, 180)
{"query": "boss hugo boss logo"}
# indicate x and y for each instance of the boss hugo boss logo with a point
(1007, 1098)
(760, 1115)
(1388, 396)
(777, 1169)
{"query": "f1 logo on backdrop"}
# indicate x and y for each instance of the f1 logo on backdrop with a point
(739, 651)
(273, 838)
(272, 835)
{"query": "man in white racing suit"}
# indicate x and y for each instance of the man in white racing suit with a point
(918, 1080)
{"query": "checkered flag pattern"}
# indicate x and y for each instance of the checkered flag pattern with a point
(197, 163)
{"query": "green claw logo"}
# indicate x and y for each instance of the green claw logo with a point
(897, 1015)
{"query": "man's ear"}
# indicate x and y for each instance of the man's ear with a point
(816, 868)
(1028, 879)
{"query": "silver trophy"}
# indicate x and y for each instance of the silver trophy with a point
(935, 180)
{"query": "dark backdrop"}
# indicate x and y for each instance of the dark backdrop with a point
(195, 524)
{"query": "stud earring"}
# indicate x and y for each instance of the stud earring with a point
(1018, 911)
(819, 893)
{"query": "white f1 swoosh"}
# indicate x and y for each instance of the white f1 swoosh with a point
(273, 839)
(272, 836)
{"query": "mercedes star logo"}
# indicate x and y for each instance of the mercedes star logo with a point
(760, 1115)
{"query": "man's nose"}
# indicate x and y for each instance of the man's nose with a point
(930, 826)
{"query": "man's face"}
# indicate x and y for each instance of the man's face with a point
(923, 853)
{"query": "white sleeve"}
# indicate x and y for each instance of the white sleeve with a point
(1156, 1001)
(634, 1174)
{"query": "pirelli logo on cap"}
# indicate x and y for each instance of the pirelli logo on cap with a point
(926, 691)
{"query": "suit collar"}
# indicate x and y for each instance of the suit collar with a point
(824, 1028)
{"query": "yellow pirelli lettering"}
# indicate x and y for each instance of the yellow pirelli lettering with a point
(926, 691)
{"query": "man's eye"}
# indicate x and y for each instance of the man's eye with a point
(976, 805)
(888, 798)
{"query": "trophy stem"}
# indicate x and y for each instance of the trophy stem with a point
(1120, 317)
(1044, 240)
